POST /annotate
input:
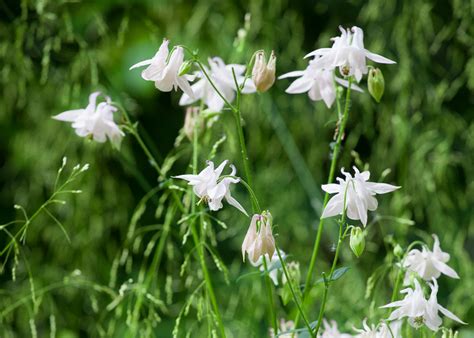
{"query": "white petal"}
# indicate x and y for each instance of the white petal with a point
(334, 207)
(331, 188)
(300, 85)
(450, 315)
(445, 269)
(296, 73)
(378, 58)
(141, 64)
(69, 115)
(381, 188)
(232, 201)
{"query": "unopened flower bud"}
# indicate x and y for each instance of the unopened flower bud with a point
(376, 83)
(398, 251)
(185, 67)
(357, 241)
(259, 239)
(263, 73)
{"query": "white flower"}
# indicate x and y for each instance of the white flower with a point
(96, 120)
(285, 326)
(273, 265)
(383, 330)
(259, 239)
(331, 331)
(317, 82)
(348, 53)
(419, 310)
(221, 76)
(429, 264)
(359, 195)
(164, 70)
(209, 187)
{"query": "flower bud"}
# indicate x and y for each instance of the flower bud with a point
(263, 74)
(185, 67)
(376, 83)
(357, 241)
(398, 251)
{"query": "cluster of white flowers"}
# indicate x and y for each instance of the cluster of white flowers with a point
(96, 120)
(347, 53)
(211, 188)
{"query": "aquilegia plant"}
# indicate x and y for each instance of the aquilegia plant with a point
(192, 200)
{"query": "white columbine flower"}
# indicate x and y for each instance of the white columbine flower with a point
(383, 330)
(221, 76)
(273, 265)
(164, 69)
(317, 82)
(348, 53)
(428, 264)
(421, 311)
(331, 330)
(259, 239)
(210, 188)
(359, 195)
(96, 120)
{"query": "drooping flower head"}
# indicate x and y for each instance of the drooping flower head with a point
(163, 69)
(383, 330)
(429, 264)
(222, 77)
(421, 311)
(263, 73)
(259, 239)
(330, 330)
(359, 195)
(211, 188)
(348, 53)
(96, 120)
(317, 82)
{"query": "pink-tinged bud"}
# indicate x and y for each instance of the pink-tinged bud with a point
(263, 73)
(259, 239)
(191, 118)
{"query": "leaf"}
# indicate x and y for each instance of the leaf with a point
(338, 273)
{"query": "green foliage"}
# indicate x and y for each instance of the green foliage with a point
(130, 266)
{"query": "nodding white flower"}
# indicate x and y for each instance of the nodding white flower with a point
(359, 195)
(348, 53)
(222, 77)
(274, 265)
(330, 330)
(317, 82)
(96, 120)
(428, 264)
(383, 330)
(259, 239)
(421, 311)
(212, 189)
(263, 74)
(164, 69)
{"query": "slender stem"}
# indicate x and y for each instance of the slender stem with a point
(200, 243)
(332, 170)
(271, 303)
(293, 293)
(397, 285)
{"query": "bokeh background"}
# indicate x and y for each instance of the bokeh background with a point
(53, 54)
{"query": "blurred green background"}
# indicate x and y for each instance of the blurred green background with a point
(53, 54)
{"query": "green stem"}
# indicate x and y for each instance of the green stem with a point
(293, 293)
(200, 243)
(332, 170)
(271, 303)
